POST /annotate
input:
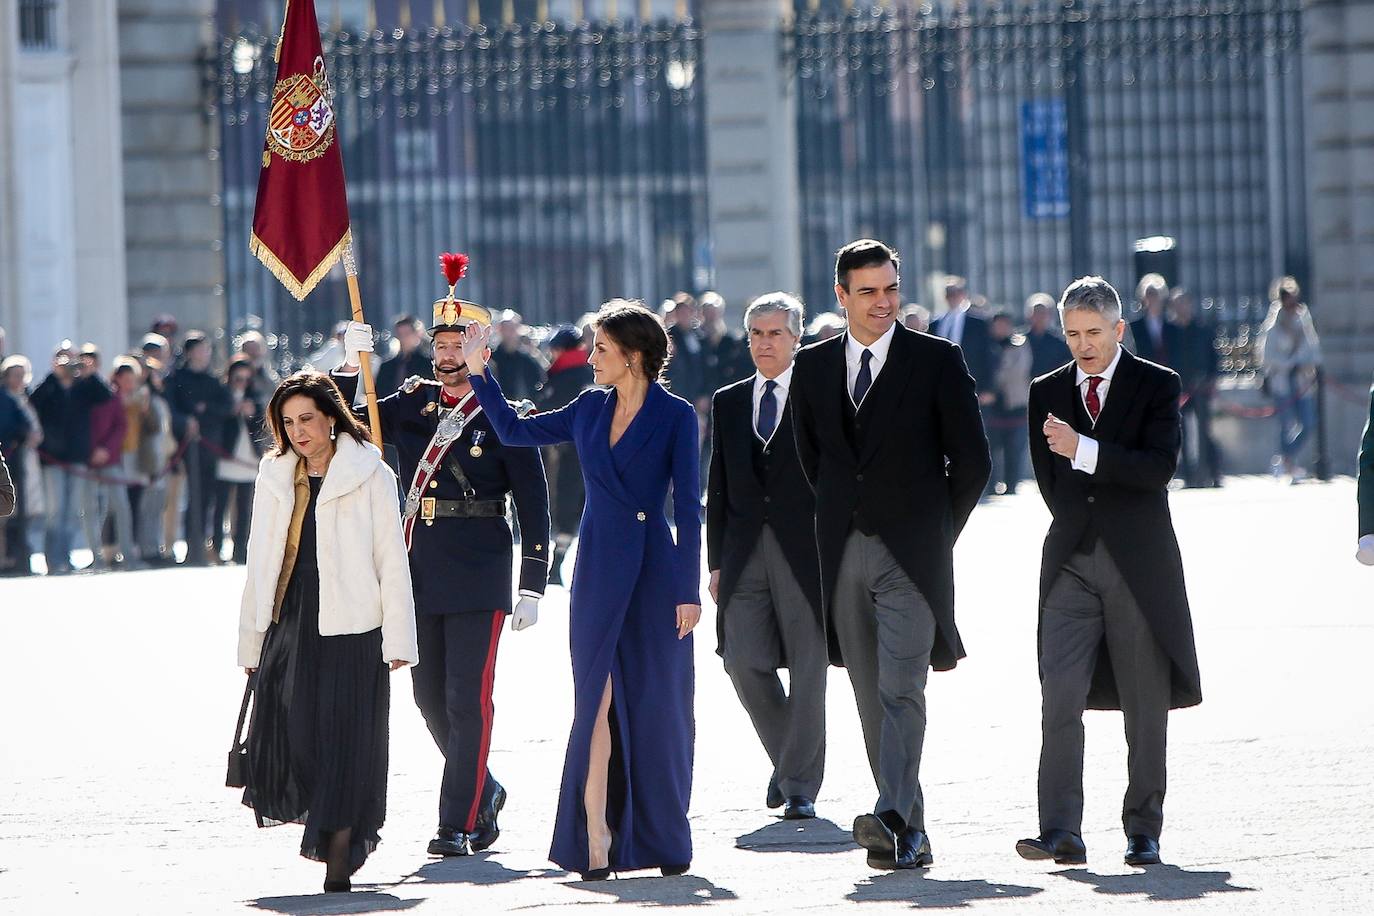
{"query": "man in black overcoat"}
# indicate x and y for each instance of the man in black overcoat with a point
(891, 440)
(1115, 628)
(461, 558)
(761, 551)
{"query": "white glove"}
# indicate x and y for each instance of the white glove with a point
(526, 614)
(357, 339)
(1365, 553)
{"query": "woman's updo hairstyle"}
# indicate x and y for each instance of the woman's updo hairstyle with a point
(636, 329)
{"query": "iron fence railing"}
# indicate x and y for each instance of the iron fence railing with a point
(569, 162)
(1024, 144)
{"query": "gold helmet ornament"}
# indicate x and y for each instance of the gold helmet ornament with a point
(450, 312)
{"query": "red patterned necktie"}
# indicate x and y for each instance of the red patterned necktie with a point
(1093, 402)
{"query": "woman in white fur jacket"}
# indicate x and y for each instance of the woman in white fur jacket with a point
(326, 610)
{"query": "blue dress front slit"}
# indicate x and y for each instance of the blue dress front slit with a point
(628, 579)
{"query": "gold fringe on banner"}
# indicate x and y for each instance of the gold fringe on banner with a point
(297, 288)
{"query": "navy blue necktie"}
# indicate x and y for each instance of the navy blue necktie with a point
(768, 411)
(865, 379)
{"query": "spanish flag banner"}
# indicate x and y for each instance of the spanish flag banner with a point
(300, 221)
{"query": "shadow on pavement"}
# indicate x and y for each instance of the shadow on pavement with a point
(329, 904)
(478, 869)
(685, 890)
(915, 888)
(1158, 882)
(813, 835)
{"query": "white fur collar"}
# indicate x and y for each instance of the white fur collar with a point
(353, 464)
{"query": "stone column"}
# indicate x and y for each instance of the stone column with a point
(1338, 83)
(751, 139)
(174, 231)
(97, 182)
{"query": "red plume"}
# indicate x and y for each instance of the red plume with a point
(455, 266)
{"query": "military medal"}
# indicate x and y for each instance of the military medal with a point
(430, 407)
(477, 436)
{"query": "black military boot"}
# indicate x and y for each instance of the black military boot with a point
(486, 831)
(449, 842)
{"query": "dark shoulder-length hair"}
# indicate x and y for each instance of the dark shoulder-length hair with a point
(636, 329)
(321, 389)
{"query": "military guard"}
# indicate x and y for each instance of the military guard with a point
(458, 474)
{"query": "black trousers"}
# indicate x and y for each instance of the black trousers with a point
(1201, 460)
(241, 494)
(1006, 429)
(453, 686)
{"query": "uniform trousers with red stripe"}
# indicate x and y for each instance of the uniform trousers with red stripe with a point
(453, 686)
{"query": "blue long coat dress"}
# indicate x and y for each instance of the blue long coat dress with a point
(628, 579)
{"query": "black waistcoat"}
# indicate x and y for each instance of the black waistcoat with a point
(1084, 423)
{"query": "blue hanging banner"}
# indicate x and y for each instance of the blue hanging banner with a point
(1045, 159)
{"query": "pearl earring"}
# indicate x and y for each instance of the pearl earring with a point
(332, 435)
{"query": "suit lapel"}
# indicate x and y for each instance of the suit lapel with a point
(1125, 381)
(1063, 392)
(886, 393)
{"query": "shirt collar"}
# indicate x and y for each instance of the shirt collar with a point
(878, 348)
(1080, 376)
(784, 381)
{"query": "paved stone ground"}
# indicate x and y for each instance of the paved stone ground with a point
(120, 693)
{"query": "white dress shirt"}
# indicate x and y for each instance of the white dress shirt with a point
(853, 358)
(1085, 458)
(784, 381)
(953, 324)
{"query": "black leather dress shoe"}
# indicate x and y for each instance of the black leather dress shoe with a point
(1063, 847)
(338, 887)
(449, 842)
(879, 838)
(913, 849)
(775, 798)
(672, 871)
(799, 808)
(485, 832)
(596, 874)
(1142, 850)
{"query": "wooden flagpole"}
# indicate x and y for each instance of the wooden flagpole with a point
(355, 298)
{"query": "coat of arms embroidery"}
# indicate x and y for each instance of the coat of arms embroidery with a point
(301, 124)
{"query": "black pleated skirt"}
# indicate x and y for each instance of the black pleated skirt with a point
(317, 737)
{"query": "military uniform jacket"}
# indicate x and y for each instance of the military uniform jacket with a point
(463, 565)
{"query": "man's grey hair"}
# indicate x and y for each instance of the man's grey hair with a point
(777, 302)
(1151, 283)
(1093, 294)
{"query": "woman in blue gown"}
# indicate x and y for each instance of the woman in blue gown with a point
(627, 777)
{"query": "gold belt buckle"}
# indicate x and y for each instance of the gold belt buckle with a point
(427, 508)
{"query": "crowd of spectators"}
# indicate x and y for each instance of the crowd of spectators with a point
(131, 456)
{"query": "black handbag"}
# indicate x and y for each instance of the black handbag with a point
(237, 771)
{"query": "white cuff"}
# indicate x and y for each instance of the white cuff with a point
(339, 371)
(1365, 553)
(1085, 458)
(529, 593)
